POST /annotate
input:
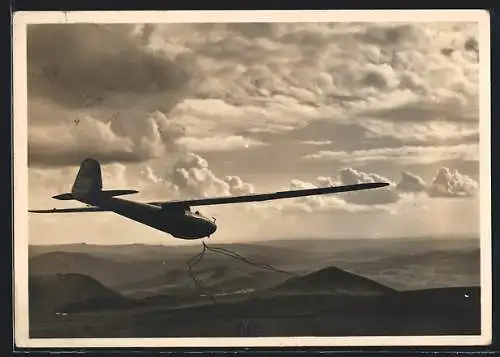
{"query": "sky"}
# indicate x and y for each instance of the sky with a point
(197, 110)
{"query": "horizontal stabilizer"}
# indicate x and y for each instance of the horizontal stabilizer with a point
(270, 196)
(109, 193)
(69, 210)
(64, 197)
(118, 192)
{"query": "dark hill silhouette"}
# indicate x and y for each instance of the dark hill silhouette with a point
(63, 293)
(332, 280)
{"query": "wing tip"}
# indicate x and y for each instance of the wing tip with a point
(363, 186)
(380, 184)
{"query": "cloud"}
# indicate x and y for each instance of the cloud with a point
(409, 194)
(271, 129)
(241, 80)
(108, 80)
(272, 78)
(411, 183)
(446, 183)
(319, 204)
(451, 183)
(406, 155)
(238, 187)
(391, 34)
(219, 143)
(440, 132)
(79, 65)
(194, 178)
(282, 113)
(472, 45)
(91, 137)
(379, 76)
(317, 142)
(380, 196)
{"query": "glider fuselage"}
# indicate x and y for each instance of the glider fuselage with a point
(179, 222)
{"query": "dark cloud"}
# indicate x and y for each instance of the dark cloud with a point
(374, 77)
(388, 35)
(447, 51)
(472, 45)
(105, 78)
(84, 64)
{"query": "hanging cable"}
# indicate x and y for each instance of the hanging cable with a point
(237, 256)
(191, 263)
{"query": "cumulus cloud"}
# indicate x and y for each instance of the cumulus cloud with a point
(91, 137)
(194, 178)
(446, 183)
(320, 204)
(384, 195)
(451, 183)
(410, 193)
(406, 155)
(411, 183)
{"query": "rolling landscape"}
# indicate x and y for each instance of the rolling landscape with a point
(306, 287)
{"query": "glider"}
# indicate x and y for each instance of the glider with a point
(172, 217)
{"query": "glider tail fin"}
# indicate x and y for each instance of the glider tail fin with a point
(88, 181)
(88, 184)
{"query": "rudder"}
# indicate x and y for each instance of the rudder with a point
(88, 181)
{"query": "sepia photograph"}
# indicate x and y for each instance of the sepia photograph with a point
(252, 178)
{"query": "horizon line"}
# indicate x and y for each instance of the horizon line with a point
(443, 237)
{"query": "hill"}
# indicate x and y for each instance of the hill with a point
(63, 293)
(332, 280)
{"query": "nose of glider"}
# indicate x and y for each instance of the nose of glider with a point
(212, 227)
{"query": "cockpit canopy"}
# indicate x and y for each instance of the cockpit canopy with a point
(199, 214)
